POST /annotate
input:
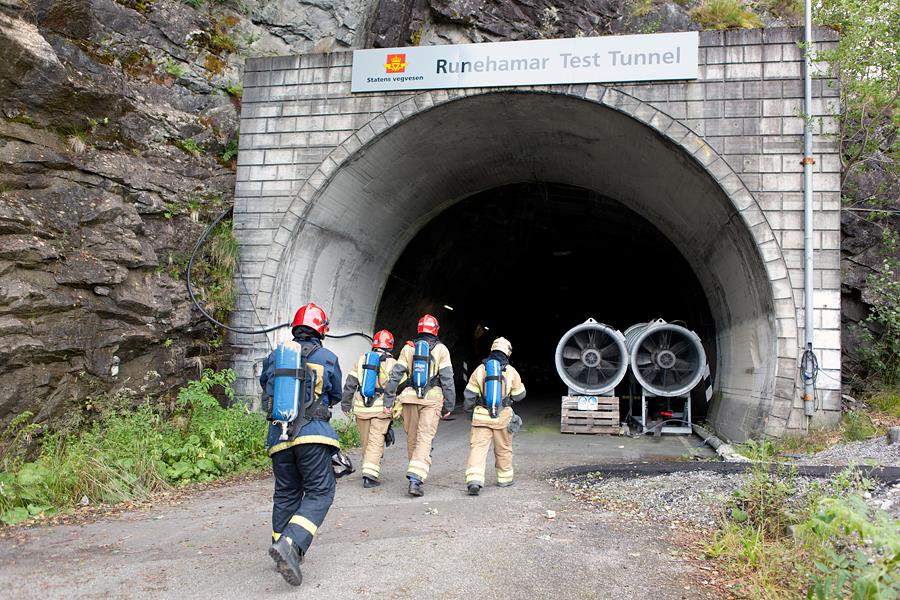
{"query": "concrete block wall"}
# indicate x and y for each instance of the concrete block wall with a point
(742, 121)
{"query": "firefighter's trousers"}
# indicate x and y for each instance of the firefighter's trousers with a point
(420, 421)
(371, 437)
(479, 444)
(304, 491)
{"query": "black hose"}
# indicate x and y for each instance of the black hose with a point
(211, 319)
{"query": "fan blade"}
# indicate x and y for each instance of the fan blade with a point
(571, 353)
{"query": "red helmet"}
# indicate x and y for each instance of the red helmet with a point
(311, 316)
(428, 324)
(384, 339)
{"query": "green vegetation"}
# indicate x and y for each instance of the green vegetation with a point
(855, 426)
(348, 433)
(819, 545)
(879, 332)
(724, 14)
(235, 90)
(189, 146)
(220, 39)
(214, 269)
(174, 69)
(230, 152)
(887, 402)
(114, 451)
(642, 8)
(24, 120)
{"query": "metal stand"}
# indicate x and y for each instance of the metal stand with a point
(680, 421)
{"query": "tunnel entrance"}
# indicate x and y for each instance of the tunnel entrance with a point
(680, 215)
(528, 261)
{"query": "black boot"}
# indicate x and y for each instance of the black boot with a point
(368, 482)
(474, 489)
(415, 488)
(287, 559)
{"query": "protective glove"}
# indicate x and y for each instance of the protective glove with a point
(389, 437)
(515, 424)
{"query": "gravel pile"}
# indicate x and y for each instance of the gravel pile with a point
(698, 498)
(870, 452)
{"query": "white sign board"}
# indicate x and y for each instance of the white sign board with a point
(606, 59)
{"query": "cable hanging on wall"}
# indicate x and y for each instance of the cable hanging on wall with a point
(212, 319)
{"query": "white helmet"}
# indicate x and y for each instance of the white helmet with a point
(502, 344)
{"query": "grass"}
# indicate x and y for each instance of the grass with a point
(725, 14)
(775, 544)
(114, 450)
(855, 426)
(790, 11)
(886, 401)
(214, 269)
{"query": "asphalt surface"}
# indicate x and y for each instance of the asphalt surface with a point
(377, 543)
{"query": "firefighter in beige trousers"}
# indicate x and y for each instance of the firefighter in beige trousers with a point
(486, 428)
(422, 410)
(373, 419)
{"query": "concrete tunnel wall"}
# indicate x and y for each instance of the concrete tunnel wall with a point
(354, 213)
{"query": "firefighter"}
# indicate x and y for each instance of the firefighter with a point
(428, 396)
(372, 418)
(487, 427)
(302, 464)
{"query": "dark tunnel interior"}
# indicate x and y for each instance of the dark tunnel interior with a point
(530, 261)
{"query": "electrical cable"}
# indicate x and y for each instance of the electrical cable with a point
(810, 364)
(211, 319)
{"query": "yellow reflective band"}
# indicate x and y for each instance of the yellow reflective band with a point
(417, 467)
(369, 468)
(305, 524)
(472, 472)
(276, 536)
(518, 391)
(304, 439)
(471, 478)
(473, 388)
(504, 476)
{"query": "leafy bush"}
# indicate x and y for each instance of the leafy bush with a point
(781, 545)
(856, 551)
(724, 14)
(131, 453)
(879, 332)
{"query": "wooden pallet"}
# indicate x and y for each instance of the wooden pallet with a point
(603, 420)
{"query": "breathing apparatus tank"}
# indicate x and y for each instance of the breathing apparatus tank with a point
(421, 374)
(368, 387)
(493, 387)
(290, 385)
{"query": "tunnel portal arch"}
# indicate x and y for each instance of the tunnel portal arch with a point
(372, 199)
(712, 163)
